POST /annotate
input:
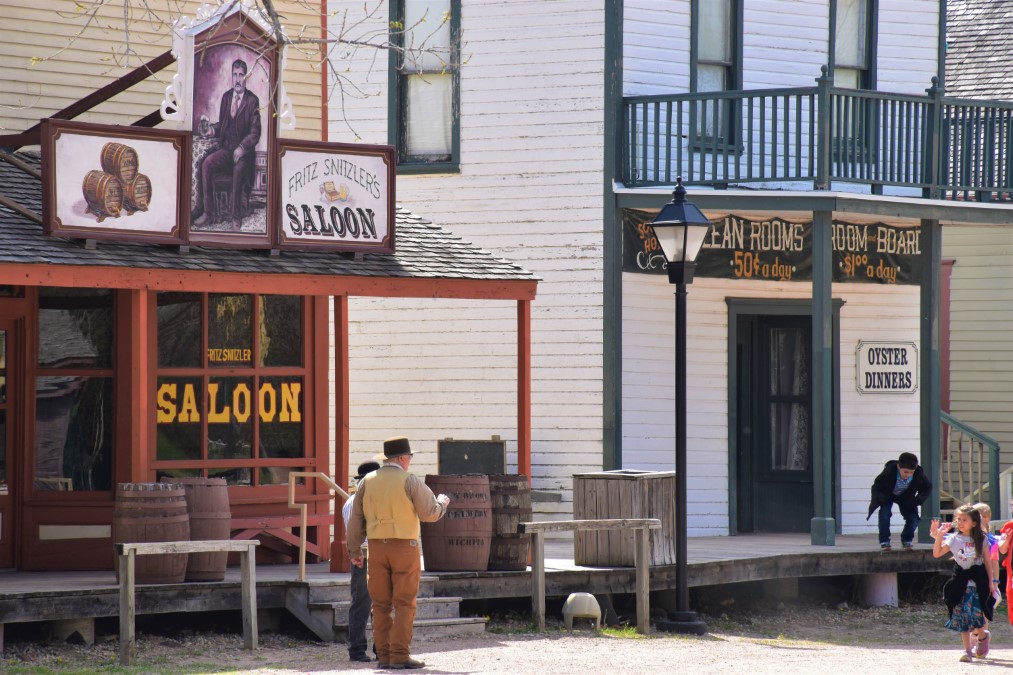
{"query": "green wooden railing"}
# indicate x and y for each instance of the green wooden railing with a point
(948, 148)
(969, 465)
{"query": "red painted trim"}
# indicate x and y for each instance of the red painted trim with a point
(138, 380)
(86, 276)
(945, 277)
(524, 388)
(342, 428)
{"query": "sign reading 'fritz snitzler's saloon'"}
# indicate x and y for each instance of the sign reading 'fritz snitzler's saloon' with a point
(336, 194)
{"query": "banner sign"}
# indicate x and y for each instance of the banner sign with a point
(780, 250)
(886, 367)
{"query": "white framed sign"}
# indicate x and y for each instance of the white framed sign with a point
(884, 367)
(335, 196)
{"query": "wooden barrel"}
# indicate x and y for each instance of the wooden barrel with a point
(511, 505)
(461, 539)
(207, 503)
(137, 193)
(120, 160)
(152, 512)
(104, 194)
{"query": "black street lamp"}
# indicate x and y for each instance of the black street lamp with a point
(680, 229)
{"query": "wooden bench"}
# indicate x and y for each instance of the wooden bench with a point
(642, 558)
(127, 554)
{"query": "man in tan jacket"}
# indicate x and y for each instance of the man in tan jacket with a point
(390, 504)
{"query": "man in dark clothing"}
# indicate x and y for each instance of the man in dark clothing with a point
(238, 131)
(903, 483)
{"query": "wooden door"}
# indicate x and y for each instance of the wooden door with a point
(774, 360)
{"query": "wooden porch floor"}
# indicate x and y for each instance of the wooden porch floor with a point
(712, 560)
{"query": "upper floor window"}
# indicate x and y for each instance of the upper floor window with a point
(854, 42)
(426, 84)
(717, 31)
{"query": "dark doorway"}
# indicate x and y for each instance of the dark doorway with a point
(775, 448)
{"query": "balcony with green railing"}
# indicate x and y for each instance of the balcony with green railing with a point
(935, 146)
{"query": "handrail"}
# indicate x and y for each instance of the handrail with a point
(302, 509)
(989, 444)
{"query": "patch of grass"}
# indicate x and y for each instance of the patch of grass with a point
(626, 631)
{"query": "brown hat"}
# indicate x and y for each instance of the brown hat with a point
(396, 446)
(366, 467)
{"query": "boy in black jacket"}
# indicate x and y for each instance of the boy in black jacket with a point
(903, 483)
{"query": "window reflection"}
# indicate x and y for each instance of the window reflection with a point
(73, 433)
(230, 418)
(77, 328)
(230, 338)
(281, 330)
(179, 405)
(179, 327)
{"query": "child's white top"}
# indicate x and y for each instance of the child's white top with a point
(962, 548)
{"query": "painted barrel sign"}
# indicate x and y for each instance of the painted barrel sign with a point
(460, 540)
(120, 160)
(104, 194)
(207, 504)
(152, 512)
(137, 193)
(511, 506)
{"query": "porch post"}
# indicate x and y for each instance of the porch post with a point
(339, 558)
(524, 388)
(931, 266)
(822, 528)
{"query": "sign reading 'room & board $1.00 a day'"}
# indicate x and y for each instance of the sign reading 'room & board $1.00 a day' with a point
(886, 367)
(336, 196)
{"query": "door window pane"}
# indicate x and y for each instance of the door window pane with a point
(73, 433)
(230, 338)
(850, 43)
(281, 330)
(789, 407)
(789, 436)
(230, 418)
(179, 405)
(179, 330)
(77, 328)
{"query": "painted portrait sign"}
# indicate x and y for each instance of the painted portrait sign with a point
(335, 196)
(234, 76)
(114, 182)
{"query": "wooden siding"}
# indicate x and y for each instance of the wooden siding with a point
(656, 56)
(981, 322)
(529, 190)
(71, 69)
(875, 428)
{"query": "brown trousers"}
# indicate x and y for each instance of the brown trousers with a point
(395, 567)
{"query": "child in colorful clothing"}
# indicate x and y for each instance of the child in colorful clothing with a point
(968, 593)
(981, 637)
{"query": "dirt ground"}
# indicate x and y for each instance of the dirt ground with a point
(793, 638)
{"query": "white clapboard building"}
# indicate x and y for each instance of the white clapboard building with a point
(814, 135)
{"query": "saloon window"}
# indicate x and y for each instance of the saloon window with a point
(231, 387)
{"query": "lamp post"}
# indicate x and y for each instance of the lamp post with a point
(680, 228)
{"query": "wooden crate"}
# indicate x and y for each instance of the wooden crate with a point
(625, 493)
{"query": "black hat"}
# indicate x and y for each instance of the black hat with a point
(366, 467)
(396, 446)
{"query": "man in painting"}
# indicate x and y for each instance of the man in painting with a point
(238, 131)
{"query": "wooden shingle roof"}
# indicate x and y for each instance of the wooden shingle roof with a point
(979, 52)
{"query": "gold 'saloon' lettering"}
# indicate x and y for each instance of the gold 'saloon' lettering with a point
(173, 406)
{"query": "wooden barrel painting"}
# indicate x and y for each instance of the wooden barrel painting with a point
(460, 540)
(511, 505)
(120, 160)
(137, 194)
(104, 194)
(207, 504)
(152, 512)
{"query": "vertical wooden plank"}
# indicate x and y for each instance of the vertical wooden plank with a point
(342, 428)
(127, 608)
(643, 553)
(579, 509)
(248, 572)
(538, 578)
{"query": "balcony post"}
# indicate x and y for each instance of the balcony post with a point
(933, 129)
(823, 84)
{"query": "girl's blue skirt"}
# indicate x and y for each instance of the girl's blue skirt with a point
(967, 615)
